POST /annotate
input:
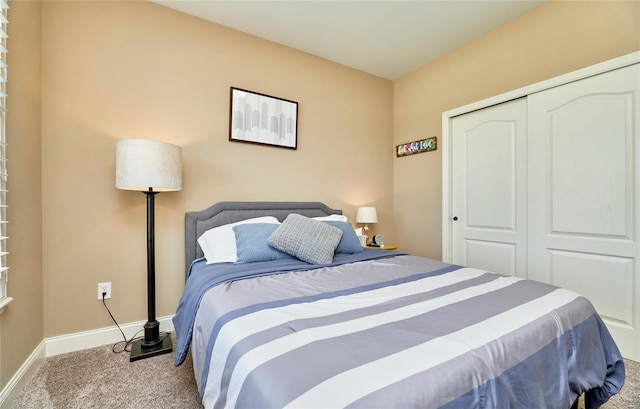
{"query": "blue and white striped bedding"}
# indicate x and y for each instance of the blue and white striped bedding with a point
(391, 331)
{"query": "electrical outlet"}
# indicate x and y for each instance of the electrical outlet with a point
(104, 288)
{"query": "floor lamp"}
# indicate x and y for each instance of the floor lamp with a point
(149, 167)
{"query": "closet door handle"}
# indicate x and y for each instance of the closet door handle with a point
(455, 218)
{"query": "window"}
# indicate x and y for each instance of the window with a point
(4, 269)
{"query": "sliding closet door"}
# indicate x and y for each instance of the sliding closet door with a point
(584, 144)
(489, 188)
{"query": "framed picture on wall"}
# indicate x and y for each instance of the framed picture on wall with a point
(263, 119)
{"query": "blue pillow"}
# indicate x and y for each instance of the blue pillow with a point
(349, 243)
(252, 243)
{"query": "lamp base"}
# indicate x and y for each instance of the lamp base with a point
(139, 351)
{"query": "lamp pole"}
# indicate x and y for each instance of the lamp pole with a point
(152, 327)
(152, 344)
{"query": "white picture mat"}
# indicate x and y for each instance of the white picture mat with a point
(262, 119)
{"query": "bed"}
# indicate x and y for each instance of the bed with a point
(374, 328)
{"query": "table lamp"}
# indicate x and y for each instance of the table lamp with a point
(366, 215)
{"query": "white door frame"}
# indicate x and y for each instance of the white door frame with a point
(447, 117)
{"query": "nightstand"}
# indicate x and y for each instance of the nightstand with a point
(383, 247)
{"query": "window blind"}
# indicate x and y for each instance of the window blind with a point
(4, 268)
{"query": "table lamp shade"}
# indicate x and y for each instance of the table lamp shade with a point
(145, 164)
(366, 215)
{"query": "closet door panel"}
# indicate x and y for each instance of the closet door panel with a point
(491, 256)
(490, 177)
(589, 165)
(583, 195)
(489, 189)
(614, 296)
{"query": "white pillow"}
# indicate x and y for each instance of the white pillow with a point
(219, 244)
(332, 217)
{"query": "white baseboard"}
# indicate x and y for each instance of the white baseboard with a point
(98, 337)
(69, 343)
(13, 388)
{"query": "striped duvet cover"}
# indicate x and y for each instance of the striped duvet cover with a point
(397, 332)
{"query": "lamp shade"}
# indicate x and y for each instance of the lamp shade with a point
(143, 164)
(366, 215)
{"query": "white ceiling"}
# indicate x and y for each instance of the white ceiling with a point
(387, 38)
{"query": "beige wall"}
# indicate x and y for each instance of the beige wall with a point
(22, 320)
(115, 70)
(552, 39)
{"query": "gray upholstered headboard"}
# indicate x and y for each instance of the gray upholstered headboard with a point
(221, 213)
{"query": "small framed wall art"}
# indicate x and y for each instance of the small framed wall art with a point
(423, 145)
(263, 119)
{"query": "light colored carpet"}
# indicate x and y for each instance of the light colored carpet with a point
(98, 378)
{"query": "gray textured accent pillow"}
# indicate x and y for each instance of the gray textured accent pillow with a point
(309, 240)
